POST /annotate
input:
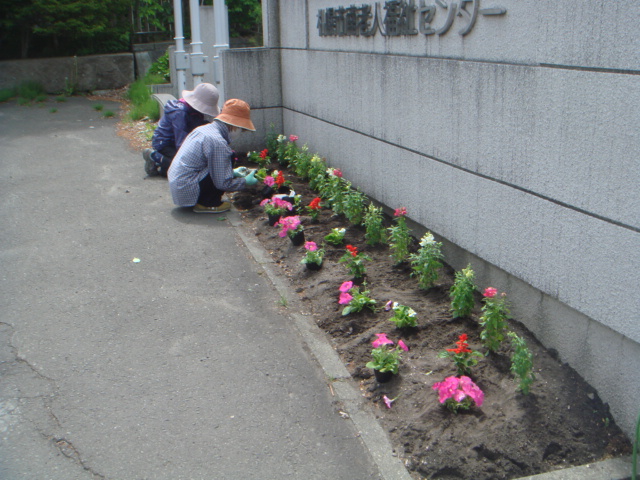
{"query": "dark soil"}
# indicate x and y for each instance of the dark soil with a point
(561, 423)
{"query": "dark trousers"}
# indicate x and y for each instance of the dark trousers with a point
(167, 154)
(209, 196)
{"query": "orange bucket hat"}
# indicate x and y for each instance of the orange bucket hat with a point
(237, 113)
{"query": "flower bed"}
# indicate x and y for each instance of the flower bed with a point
(518, 410)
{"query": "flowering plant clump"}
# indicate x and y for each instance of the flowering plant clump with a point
(302, 162)
(386, 358)
(463, 356)
(461, 293)
(355, 261)
(375, 231)
(316, 173)
(290, 226)
(353, 206)
(314, 207)
(261, 158)
(522, 363)
(403, 316)
(494, 319)
(286, 149)
(426, 262)
(459, 393)
(354, 299)
(313, 254)
(399, 236)
(276, 206)
(336, 237)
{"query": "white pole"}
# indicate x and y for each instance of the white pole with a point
(221, 24)
(198, 60)
(180, 54)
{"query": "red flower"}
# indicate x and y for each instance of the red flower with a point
(337, 172)
(280, 179)
(400, 212)
(490, 292)
(315, 204)
(353, 250)
(463, 346)
(264, 153)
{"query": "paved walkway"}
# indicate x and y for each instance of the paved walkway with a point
(183, 365)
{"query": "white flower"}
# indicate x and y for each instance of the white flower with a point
(281, 138)
(411, 312)
(427, 239)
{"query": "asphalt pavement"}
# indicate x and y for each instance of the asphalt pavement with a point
(139, 340)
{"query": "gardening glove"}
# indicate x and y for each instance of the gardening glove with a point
(240, 172)
(250, 179)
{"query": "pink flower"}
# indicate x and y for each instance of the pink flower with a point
(400, 212)
(288, 224)
(490, 292)
(346, 286)
(337, 172)
(403, 345)
(471, 389)
(264, 202)
(293, 138)
(446, 388)
(311, 246)
(269, 181)
(387, 401)
(345, 298)
(388, 306)
(381, 340)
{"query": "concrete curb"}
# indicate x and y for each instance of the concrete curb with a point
(372, 434)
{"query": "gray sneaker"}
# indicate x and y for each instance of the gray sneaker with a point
(150, 167)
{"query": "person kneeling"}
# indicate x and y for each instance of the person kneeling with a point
(202, 170)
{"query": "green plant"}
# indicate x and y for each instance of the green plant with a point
(61, 98)
(355, 261)
(40, 98)
(493, 319)
(53, 110)
(283, 301)
(317, 173)
(302, 162)
(354, 299)
(98, 107)
(353, 206)
(261, 158)
(108, 113)
(399, 237)
(375, 232)
(313, 254)
(403, 316)
(426, 262)
(385, 357)
(521, 362)
(463, 357)
(143, 105)
(461, 293)
(30, 90)
(336, 237)
(7, 94)
(160, 68)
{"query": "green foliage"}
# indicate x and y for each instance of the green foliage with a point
(53, 110)
(522, 363)
(353, 206)
(493, 321)
(98, 107)
(373, 222)
(30, 90)
(336, 237)
(142, 104)
(355, 261)
(426, 262)
(461, 293)
(360, 301)
(160, 69)
(7, 94)
(399, 239)
(108, 113)
(245, 18)
(403, 316)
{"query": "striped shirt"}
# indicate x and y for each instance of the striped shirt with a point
(205, 151)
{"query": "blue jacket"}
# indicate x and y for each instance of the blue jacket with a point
(178, 121)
